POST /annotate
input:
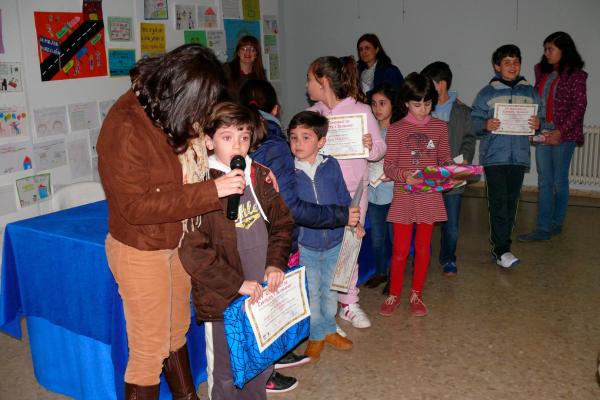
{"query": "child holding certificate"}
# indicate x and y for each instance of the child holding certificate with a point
(505, 157)
(414, 142)
(231, 257)
(332, 82)
(319, 180)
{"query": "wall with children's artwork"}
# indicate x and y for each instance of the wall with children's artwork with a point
(464, 33)
(60, 71)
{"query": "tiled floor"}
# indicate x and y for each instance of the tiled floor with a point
(528, 333)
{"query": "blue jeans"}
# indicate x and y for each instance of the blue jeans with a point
(553, 164)
(381, 236)
(449, 237)
(320, 266)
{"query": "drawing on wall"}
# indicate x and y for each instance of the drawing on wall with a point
(231, 9)
(251, 10)
(152, 39)
(15, 157)
(83, 115)
(104, 107)
(10, 77)
(94, 133)
(185, 17)
(120, 61)
(69, 46)
(235, 29)
(33, 189)
(120, 28)
(215, 40)
(197, 37)
(78, 154)
(270, 25)
(155, 9)
(50, 121)
(50, 154)
(208, 17)
(13, 122)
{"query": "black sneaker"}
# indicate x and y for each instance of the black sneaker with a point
(279, 383)
(291, 360)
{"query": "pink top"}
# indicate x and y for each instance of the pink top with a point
(356, 170)
(414, 144)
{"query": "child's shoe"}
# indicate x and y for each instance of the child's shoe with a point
(389, 305)
(450, 269)
(314, 349)
(508, 260)
(417, 307)
(338, 342)
(279, 383)
(355, 315)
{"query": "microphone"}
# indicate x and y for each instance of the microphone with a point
(233, 201)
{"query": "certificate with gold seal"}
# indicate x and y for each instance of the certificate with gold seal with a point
(514, 118)
(345, 136)
(274, 313)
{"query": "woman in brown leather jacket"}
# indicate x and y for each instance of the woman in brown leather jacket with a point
(146, 136)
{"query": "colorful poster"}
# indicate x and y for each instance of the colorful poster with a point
(235, 29)
(69, 46)
(50, 121)
(120, 28)
(216, 42)
(198, 37)
(83, 116)
(10, 77)
(185, 17)
(15, 157)
(33, 189)
(104, 107)
(78, 154)
(270, 43)
(208, 17)
(152, 37)
(156, 9)
(50, 154)
(120, 61)
(231, 9)
(251, 10)
(14, 122)
(270, 25)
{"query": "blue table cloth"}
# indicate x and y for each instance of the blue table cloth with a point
(55, 273)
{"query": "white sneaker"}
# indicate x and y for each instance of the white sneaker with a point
(508, 260)
(355, 315)
(340, 331)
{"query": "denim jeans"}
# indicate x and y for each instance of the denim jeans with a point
(320, 266)
(381, 236)
(449, 237)
(553, 181)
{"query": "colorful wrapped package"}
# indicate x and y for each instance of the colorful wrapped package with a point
(246, 359)
(442, 178)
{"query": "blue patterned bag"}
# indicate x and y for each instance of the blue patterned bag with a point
(246, 359)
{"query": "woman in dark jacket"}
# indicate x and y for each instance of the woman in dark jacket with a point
(246, 64)
(561, 83)
(375, 66)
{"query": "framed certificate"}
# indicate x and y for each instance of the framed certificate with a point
(514, 118)
(345, 136)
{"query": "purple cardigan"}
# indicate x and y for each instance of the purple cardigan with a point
(570, 103)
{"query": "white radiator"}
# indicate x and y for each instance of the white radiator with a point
(585, 165)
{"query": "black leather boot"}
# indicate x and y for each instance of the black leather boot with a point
(179, 375)
(136, 392)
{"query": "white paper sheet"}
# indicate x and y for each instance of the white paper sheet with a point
(50, 121)
(83, 116)
(50, 154)
(7, 200)
(15, 157)
(14, 122)
(78, 154)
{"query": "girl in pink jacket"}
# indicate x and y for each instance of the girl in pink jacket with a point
(332, 83)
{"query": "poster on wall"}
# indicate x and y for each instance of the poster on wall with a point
(215, 40)
(156, 9)
(78, 154)
(251, 10)
(120, 61)
(270, 25)
(83, 115)
(50, 121)
(15, 157)
(120, 28)
(94, 133)
(152, 39)
(274, 67)
(104, 107)
(231, 9)
(50, 154)
(185, 17)
(235, 29)
(14, 122)
(10, 77)
(33, 189)
(197, 37)
(208, 16)
(69, 46)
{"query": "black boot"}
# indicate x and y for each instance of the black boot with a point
(136, 392)
(179, 375)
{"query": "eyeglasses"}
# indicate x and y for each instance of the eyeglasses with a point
(248, 48)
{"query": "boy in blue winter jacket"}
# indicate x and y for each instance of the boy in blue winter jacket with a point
(319, 180)
(505, 157)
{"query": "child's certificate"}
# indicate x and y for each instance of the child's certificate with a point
(514, 118)
(345, 136)
(274, 313)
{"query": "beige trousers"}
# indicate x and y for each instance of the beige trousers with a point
(156, 300)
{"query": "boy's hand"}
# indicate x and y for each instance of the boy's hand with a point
(272, 180)
(274, 277)
(360, 232)
(353, 216)
(410, 179)
(231, 183)
(252, 289)
(492, 124)
(534, 122)
(368, 141)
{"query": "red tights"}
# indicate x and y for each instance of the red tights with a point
(401, 248)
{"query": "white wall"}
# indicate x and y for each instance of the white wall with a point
(464, 33)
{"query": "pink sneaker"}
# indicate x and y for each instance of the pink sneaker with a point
(389, 305)
(417, 307)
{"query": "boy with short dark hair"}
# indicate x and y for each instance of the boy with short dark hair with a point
(505, 157)
(319, 180)
(461, 136)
